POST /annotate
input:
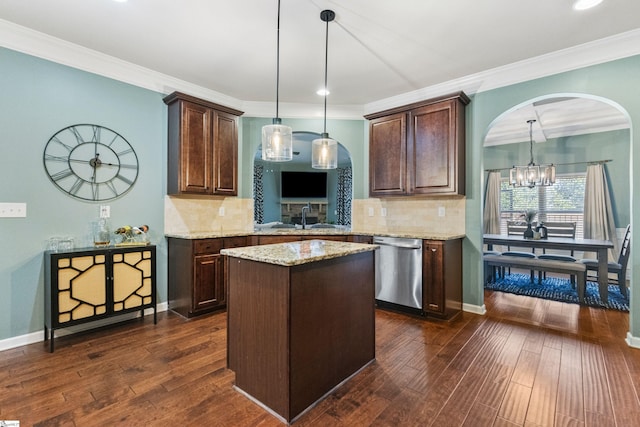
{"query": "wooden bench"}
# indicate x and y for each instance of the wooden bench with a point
(572, 268)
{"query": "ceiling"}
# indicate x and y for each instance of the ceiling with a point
(378, 49)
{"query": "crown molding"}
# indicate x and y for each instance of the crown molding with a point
(26, 40)
(597, 52)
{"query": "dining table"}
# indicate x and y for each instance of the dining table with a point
(599, 247)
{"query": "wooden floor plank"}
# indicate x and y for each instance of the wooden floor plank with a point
(527, 362)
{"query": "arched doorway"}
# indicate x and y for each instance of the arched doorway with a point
(574, 130)
(271, 206)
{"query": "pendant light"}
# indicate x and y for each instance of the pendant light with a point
(277, 139)
(532, 174)
(324, 150)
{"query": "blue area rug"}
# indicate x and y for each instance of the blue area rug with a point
(558, 289)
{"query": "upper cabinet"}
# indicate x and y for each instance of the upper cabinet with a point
(418, 149)
(203, 147)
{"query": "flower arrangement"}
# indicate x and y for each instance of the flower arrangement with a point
(528, 215)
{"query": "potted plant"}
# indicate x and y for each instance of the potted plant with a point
(528, 217)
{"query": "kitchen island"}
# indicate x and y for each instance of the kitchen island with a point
(300, 320)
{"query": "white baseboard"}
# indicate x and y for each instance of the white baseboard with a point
(477, 309)
(633, 341)
(38, 336)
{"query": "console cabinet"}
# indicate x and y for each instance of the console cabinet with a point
(203, 147)
(442, 278)
(197, 279)
(86, 285)
(418, 149)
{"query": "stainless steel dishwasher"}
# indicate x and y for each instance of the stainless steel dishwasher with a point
(399, 271)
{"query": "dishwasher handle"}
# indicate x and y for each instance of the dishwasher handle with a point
(395, 245)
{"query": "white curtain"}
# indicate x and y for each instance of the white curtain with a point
(491, 219)
(598, 214)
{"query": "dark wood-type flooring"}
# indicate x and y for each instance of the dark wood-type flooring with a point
(529, 362)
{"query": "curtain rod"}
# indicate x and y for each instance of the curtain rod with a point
(591, 162)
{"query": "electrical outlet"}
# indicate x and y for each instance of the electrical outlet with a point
(105, 211)
(440, 210)
(370, 211)
(13, 210)
(221, 211)
(383, 211)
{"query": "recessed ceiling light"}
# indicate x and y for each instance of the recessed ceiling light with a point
(323, 92)
(585, 4)
(121, 1)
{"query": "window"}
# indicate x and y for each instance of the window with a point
(562, 201)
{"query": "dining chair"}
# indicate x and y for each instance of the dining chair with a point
(618, 268)
(516, 228)
(560, 229)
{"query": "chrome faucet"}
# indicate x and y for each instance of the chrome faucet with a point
(305, 209)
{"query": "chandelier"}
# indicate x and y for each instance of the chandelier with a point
(532, 174)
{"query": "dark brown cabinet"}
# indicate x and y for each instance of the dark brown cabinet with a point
(418, 149)
(197, 279)
(203, 147)
(442, 278)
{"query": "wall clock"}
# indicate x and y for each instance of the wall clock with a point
(90, 162)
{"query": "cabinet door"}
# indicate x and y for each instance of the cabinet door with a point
(433, 291)
(387, 155)
(133, 276)
(225, 157)
(195, 149)
(208, 284)
(435, 152)
(79, 288)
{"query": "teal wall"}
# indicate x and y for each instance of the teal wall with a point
(612, 145)
(350, 133)
(615, 81)
(38, 99)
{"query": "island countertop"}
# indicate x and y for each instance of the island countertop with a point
(299, 252)
(425, 235)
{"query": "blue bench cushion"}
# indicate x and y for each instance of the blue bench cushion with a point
(593, 264)
(519, 253)
(555, 257)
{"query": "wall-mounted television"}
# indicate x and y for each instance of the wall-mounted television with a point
(308, 185)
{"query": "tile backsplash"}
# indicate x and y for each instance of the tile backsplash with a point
(407, 215)
(394, 215)
(205, 214)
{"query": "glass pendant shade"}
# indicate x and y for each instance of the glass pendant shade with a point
(324, 153)
(277, 142)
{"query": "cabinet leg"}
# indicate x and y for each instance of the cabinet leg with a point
(52, 332)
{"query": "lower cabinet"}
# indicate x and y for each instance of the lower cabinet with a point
(86, 285)
(442, 278)
(197, 280)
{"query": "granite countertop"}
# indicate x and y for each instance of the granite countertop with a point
(426, 235)
(296, 253)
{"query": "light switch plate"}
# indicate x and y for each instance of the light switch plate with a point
(383, 211)
(105, 211)
(441, 211)
(221, 211)
(13, 210)
(370, 211)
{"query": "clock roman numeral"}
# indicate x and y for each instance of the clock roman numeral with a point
(95, 190)
(111, 187)
(68, 147)
(96, 133)
(124, 179)
(128, 166)
(76, 186)
(122, 153)
(76, 133)
(56, 158)
(61, 175)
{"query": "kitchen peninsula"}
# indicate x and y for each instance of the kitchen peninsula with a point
(300, 320)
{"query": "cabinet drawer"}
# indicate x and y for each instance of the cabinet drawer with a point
(207, 246)
(234, 242)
